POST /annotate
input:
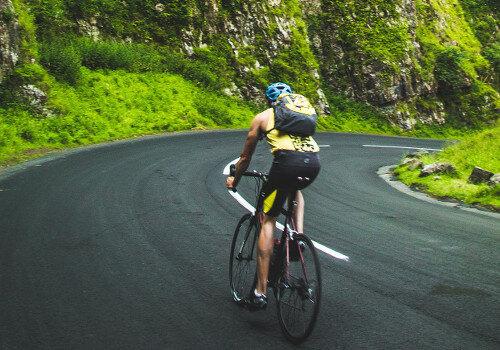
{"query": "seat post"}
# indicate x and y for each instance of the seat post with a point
(292, 203)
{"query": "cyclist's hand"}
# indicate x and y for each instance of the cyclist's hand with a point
(230, 183)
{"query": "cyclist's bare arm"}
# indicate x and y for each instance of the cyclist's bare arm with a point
(257, 126)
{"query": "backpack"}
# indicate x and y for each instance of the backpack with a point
(294, 114)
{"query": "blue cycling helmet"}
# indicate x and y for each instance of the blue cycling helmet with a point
(274, 90)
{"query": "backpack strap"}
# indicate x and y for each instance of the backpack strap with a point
(274, 122)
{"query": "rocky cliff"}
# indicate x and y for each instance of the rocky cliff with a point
(9, 38)
(416, 60)
(258, 40)
(267, 40)
(385, 53)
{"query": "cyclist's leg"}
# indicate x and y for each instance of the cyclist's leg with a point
(298, 215)
(307, 173)
(270, 204)
(264, 252)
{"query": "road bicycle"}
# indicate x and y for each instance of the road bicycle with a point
(294, 272)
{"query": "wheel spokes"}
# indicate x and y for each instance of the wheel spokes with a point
(300, 293)
(243, 262)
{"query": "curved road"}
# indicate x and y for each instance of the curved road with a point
(125, 246)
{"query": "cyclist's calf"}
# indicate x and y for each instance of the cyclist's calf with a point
(265, 251)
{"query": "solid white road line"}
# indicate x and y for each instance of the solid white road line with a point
(404, 147)
(226, 168)
(330, 252)
(243, 202)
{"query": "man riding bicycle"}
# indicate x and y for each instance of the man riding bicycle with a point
(295, 166)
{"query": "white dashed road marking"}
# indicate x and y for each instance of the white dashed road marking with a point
(403, 147)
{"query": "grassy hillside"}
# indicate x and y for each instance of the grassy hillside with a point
(108, 105)
(482, 150)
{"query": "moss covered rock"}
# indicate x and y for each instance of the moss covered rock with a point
(9, 38)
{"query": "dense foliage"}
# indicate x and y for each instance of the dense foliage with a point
(136, 19)
(169, 23)
(378, 41)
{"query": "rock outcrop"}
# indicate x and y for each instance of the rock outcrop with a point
(480, 175)
(349, 66)
(261, 35)
(369, 51)
(34, 97)
(9, 38)
(495, 179)
(437, 168)
(260, 41)
(412, 163)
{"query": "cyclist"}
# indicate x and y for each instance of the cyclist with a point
(295, 166)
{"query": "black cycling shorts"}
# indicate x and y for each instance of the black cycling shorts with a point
(289, 172)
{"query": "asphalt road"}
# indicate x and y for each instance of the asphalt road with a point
(125, 246)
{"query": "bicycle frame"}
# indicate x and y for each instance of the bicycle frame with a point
(289, 234)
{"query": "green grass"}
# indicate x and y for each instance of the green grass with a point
(110, 105)
(481, 149)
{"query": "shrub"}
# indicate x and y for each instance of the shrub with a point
(27, 74)
(200, 72)
(62, 60)
(480, 105)
(172, 60)
(129, 56)
(450, 70)
(51, 18)
(207, 67)
(149, 60)
(106, 54)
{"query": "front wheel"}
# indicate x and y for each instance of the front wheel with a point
(299, 291)
(243, 260)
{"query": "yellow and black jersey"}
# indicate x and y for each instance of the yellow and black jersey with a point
(279, 140)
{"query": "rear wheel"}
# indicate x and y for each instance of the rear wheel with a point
(299, 291)
(242, 261)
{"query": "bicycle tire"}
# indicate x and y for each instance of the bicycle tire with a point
(242, 260)
(299, 288)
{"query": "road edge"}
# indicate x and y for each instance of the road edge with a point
(7, 171)
(386, 173)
